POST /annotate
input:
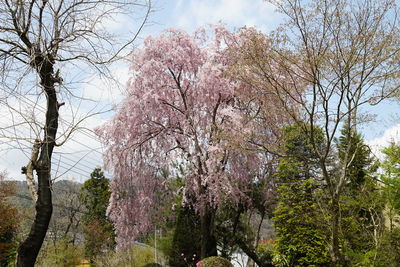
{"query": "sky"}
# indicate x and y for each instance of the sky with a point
(82, 152)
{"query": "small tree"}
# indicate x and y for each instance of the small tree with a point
(392, 183)
(98, 230)
(65, 226)
(389, 245)
(298, 219)
(186, 240)
(362, 204)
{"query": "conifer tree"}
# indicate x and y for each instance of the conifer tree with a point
(388, 253)
(98, 230)
(300, 236)
(361, 205)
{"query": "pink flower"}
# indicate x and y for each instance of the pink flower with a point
(182, 254)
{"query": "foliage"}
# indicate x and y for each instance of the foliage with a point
(300, 236)
(60, 253)
(136, 256)
(391, 178)
(265, 250)
(8, 224)
(186, 239)
(361, 203)
(214, 262)
(98, 230)
(388, 251)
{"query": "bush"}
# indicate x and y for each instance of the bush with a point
(137, 256)
(60, 254)
(389, 250)
(214, 262)
(9, 222)
(265, 250)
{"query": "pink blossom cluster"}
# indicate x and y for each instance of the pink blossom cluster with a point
(185, 108)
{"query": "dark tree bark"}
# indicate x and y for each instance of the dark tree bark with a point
(29, 249)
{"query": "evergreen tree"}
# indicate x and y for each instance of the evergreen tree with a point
(300, 235)
(98, 230)
(186, 240)
(391, 189)
(361, 204)
(361, 164)
(388, 253)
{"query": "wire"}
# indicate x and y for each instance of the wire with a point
(84, 161)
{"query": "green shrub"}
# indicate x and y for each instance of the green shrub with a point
(280, 260)
(137, 256)
(389, 250)
(61, 254)
(265, 250)
(215, 262)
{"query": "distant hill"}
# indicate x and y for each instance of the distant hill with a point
(22, 197)
(65, 201)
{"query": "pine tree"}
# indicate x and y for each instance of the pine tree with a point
(98, 230)
(361, 204)
(186, 240)
(388, 253)
(300, 235)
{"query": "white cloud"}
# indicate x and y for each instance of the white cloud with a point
(391, 135)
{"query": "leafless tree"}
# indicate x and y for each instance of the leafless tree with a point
(39, 42)
(65, 224)
(330, 58)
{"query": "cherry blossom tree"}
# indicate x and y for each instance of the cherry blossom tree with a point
(184, 109)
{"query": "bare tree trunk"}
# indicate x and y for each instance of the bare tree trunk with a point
(29, 249)
(28, 170)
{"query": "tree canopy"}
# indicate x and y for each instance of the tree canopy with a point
(183, 108)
